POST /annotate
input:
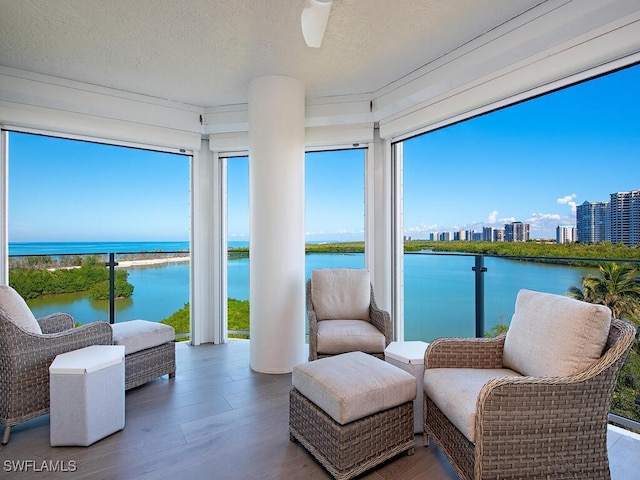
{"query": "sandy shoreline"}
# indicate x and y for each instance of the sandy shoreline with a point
(151, 261)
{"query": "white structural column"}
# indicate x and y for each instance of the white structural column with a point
(276, 199)
(208, 251)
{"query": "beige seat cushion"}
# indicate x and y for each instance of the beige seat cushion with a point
(17, 310)
(353, 385)
(455, 391)
(554, 336)
(341, 293)
(341, 336)
(138, 335)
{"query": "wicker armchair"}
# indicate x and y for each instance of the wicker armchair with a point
(527, 426)
(345, 334)
(25, 358)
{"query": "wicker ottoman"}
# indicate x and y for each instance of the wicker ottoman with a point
(352, 412)
(150, 351)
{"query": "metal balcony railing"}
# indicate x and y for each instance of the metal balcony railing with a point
(480, 280)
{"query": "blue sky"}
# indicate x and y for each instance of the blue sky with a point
(64, 190)
(532, 163)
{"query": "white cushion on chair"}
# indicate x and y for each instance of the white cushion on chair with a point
(340, 336)
(455, 391)
(18, 310)
(341, 293)
(137, 335)
(555, 336)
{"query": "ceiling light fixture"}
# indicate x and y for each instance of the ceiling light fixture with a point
(314, 21)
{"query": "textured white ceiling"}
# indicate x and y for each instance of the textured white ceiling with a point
(205, 52)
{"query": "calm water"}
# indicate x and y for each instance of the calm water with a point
(439, 289)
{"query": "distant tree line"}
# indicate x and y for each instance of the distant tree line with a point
(515, 249)
(532, 249)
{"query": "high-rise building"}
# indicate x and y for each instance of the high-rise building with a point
(498, 234)
(565, 234)
(624, 218)
(487, 234)
(592, 222)
(516, 232)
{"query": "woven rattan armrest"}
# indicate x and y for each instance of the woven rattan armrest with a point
(313, 325)
(382, 321)
(47, 346)
(465, 353)
(56, 322)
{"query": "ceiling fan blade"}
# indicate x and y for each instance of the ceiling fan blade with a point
(314, 21)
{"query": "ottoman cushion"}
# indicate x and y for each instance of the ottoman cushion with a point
(353, 385)
(138, 335)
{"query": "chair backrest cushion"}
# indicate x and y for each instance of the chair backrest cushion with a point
(554, 336)
(341, 293)
(18, 310)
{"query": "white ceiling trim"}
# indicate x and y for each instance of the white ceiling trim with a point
(89, 127)
(593, 52)
(555, 40)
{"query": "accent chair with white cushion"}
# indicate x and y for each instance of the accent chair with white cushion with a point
(343, 315)
(531, 403)
(27, 348)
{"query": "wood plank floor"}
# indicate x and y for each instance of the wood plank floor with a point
(217, 419)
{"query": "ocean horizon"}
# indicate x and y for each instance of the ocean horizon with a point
(84, 248)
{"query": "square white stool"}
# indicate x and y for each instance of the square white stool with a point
(87, 395)
(409, 356)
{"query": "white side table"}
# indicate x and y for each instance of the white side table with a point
(409, 356)
(87, 395)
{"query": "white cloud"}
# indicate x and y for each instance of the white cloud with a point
(492, 217)
(543, 225)
(543, 217)
(424, 228)
(504, 220)
(567, 199)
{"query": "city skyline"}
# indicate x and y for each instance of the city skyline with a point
(533, 162)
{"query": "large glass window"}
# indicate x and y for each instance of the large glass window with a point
(335, 213)
(334, 207)
(508, 182)
(72, 203)
(522, 189)
(238, 246)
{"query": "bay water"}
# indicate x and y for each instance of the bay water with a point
(439, 290)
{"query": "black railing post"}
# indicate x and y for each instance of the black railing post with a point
(112, 287)
(479, 268)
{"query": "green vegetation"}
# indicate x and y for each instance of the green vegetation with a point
(535, 249)
(180, 322)
(616, 287)
(37, 276)
(531, 249)
(238, 318)
(498, 329)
